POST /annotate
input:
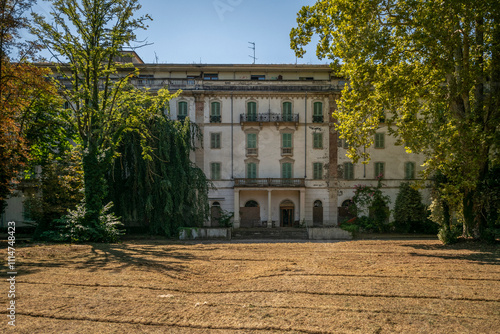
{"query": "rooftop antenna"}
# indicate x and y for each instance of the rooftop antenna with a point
(253, 48)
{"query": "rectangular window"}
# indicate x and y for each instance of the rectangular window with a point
(317, 171)
(318, 140)
(379, 169)
(318, 112)
(215, 140)
(251, 170)
(286, 140)
(286, 170)
(379, 140)
(215, 171)
(348, 171)
(252, 111)
(409, 170)
(258, 77)
(215, 112)
(211, 76)
(251, 140)
(183, 110)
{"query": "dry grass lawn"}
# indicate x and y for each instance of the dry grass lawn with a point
(412, 286)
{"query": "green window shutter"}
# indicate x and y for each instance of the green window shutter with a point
(348, 171)
(286, 170)
(215, 109)
(379, 169)
(183, 108)
(317, 171)
(317, 140)
(215, 140)
(409, 170)
(318, 109)
(251, 170)
(252, 140)
(215, 171)
(252, 109)
(379, 140)
(286, 140)
(287, 111)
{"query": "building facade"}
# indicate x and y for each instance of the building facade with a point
(269, 143)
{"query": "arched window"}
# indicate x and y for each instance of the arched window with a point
(318, 204)
(182, 111)
(287, 111)
(251, 111)
(251, 204)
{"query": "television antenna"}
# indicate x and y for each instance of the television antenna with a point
(253, 48)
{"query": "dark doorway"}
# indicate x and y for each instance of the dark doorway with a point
(287, 214)
(318, 213)
(250, 214)
(215, 214)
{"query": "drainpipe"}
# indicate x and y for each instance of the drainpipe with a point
(305, 141)
(232, 139)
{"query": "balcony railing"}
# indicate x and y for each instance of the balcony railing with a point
(269, 182)
(287, 151)
(269, 117)
(252, 151)
(215, 119)
(317, 118)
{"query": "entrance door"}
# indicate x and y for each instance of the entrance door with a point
(287, 216)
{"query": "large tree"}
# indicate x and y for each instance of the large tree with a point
(24, 92)
(431, 69)
(86, 37)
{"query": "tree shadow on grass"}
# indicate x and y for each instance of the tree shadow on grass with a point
(479, 253)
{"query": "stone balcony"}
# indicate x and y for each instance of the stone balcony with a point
(269, 182)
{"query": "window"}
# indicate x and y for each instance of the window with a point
(251, 111)
(379, 140)
(182, 112)
(258, 77)
(348, 171)
(215, 140)
(317, 171)
(345, 144)
(318, 112)
(251, 170)
(286, 144)
(286, 170)
(318, 140)
(409, 170)
(211, 76)
(215, 171)
(287, 111)
(379, 170)
(252, 144)
(215, 112)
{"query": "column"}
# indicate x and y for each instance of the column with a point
(302, 205)
(269, 210)
(236, 218)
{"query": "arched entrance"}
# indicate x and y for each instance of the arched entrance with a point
(318, 213)
(287, 213)
(215, 211)
(250, 214)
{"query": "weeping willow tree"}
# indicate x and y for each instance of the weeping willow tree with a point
(153, 181)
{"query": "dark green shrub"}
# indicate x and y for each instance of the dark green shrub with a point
(410, 214)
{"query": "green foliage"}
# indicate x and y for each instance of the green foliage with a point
(449, 235)
(225, 218)
(350, 227)
(371, 198)
(154, 182)
(432, 68)
(410, 214)
(74, 228)
(86, 39)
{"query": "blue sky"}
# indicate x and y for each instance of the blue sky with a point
(218, 31)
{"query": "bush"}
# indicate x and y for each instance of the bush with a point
(73, 227)
(449, 235)
(410, 214)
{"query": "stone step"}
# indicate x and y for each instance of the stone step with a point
(270, 233)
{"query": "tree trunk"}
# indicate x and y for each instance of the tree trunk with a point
(95, 184)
